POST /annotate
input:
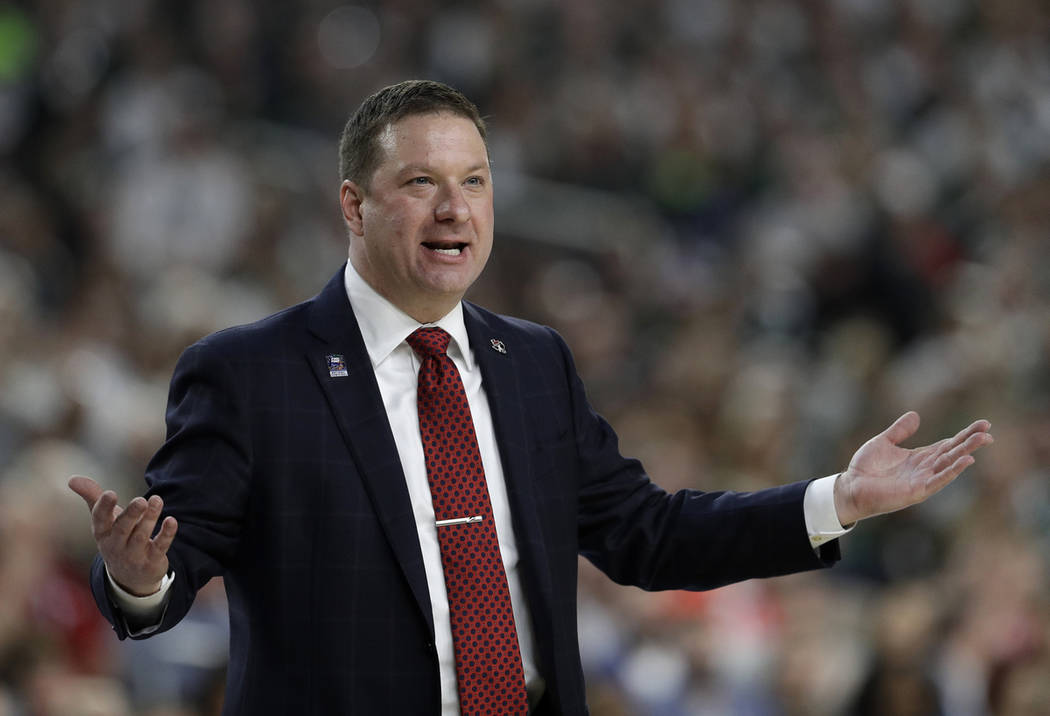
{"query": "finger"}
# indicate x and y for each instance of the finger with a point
(947, 450)
(978, 427)
(126, 520)
(903, 428)
(944, 477)
(162, 542)
(143, 529)
(973, 443)
(87, 488)
(104, 513)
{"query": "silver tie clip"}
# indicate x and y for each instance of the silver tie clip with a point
(458, 521)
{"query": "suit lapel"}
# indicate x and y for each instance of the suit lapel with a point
(500, 374)
(358, 407)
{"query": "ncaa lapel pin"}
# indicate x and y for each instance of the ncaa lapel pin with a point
(497, 345)
(336, 366)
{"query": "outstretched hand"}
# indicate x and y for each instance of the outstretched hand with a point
(884, 477)
(135, 560)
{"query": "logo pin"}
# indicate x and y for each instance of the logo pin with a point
(497, 345)
(337, 366)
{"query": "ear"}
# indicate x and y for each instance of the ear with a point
(351, 196)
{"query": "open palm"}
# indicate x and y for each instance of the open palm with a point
(135, 558)
(883, 477)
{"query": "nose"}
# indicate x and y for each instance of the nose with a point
(452, 207)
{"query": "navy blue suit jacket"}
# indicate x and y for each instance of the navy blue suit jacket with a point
(286, 481)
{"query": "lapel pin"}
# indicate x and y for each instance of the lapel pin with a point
(337, 366)
(497, 345)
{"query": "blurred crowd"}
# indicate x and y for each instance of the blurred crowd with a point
(765, 227)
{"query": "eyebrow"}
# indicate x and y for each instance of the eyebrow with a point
(427, 170)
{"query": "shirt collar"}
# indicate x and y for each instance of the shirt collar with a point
(384, 326)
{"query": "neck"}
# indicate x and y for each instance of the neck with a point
(428, 312)
(429, 309)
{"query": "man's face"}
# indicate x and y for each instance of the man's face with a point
(422, 232)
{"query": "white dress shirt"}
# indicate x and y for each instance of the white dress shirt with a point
(384, 328)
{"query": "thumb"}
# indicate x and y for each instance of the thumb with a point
(903, 428)
(86, 488)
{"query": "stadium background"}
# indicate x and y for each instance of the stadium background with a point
(766, 228)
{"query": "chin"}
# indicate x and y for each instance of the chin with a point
(451, 283)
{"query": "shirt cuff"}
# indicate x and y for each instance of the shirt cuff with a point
(818, 506)
(148, 609)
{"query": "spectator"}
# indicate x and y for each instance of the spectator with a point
(777, 180)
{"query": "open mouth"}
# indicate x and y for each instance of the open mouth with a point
(445, 247)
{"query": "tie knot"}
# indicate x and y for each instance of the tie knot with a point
(429, 342)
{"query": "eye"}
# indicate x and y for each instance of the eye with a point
(475, 181)
(419, 181)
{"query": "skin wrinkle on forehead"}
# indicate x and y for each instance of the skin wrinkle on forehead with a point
(390, 136)
(394, 133)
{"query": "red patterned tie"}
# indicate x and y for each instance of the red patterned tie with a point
(489, 674)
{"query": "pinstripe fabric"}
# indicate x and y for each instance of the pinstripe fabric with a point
(286, 481)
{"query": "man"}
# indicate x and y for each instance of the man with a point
(395, 484)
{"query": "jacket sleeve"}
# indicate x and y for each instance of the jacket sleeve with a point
(202, 473)
(639, 534)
